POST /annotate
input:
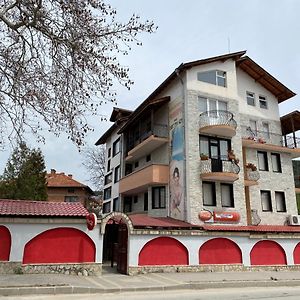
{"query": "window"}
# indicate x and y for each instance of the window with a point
(263, 102)
(250, 98)
(116, 147)
(106, 207)
(128, 169)
(280, 202)
(107, 179)
(117, 174)
(215, 77)
(136, 164)
(135, 199)
(109, 152)
(209, 193)
(208, 104)
(215, 148)
(227, 195)
(262, 161)
(108, 166)
(158, 197)
(266, 203)
(276, 164)
(266, 130)
(127, 204)
(71, 190)
(107, 193)
(116, 204)
(148, 157)
(146, 202)
(71, 199)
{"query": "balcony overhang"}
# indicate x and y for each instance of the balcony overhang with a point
(222, 130)
(252, 144)
(145, 147)
(139, 181)
(219, 176)
(248, 182)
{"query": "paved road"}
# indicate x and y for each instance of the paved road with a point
(274, 293)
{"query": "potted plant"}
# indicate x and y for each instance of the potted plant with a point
(231, 155)
(203, 156)
(251, 166)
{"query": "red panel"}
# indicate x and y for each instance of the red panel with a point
(297, 254)
(220, 251)
(163, 251)
(60, 245)
(267, 253)
(5, 243)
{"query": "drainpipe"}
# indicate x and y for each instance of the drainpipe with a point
(177, 72)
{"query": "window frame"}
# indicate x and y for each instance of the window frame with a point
(248, 97)
(106, 204)
(109, 152)
(74, 198)
(108, 180)
(231, 195)
(161, 201)
(267, 192)
(105, 191)
(108, 166)
(116, 151)
(265, 155)
(116, 200)
(214, 199)
(283, 199)
(262, 99)
(117, 174)
(216, 74)
(278, 159)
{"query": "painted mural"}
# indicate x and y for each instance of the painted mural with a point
(177, 195)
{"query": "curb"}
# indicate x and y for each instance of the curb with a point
(56, 290)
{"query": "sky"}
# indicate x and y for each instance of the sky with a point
(190, 30)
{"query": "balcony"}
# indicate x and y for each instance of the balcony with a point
(147, 142)
(251, 175)
(217, 122)
(270, 141)
(140, 180)
(216, 169)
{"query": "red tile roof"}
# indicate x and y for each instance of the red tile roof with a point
(143, 220)
(258, 228)
(62, 180)
(41, 208)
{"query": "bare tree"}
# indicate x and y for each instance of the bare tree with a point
(57, 58)
(94, 163)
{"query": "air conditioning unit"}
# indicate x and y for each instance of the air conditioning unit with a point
(293, 220)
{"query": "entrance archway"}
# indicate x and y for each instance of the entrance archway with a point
(115, 228)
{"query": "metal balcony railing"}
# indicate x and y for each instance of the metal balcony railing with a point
(212, 165)
(159, 130)
(216, 117)
(270, 137)
(252, 175)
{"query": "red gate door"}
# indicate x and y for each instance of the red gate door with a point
(122, 251)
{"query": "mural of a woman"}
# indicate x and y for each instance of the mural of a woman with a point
(176, 192)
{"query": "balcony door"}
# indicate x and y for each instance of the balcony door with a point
(216, 149)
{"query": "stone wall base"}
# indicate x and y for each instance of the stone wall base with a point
(208, 268)
(88, 269)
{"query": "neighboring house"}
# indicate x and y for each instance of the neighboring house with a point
(206, 159)
(113, 155)
(63, 188)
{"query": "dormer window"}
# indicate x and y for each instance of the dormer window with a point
(215, 77)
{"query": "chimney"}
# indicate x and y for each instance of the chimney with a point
(53, 171)
(70, 175)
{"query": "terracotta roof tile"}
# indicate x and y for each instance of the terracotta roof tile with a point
(143, 220)
(41, 208)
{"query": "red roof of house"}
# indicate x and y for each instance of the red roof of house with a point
(41, 208)
(143, 220)
(258, 228)
(62, 180)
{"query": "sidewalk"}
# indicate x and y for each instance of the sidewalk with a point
(113, 282)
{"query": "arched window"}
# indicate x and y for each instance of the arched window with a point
(163, 251)
(60, 245)
(220, 251)
(267, 253)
